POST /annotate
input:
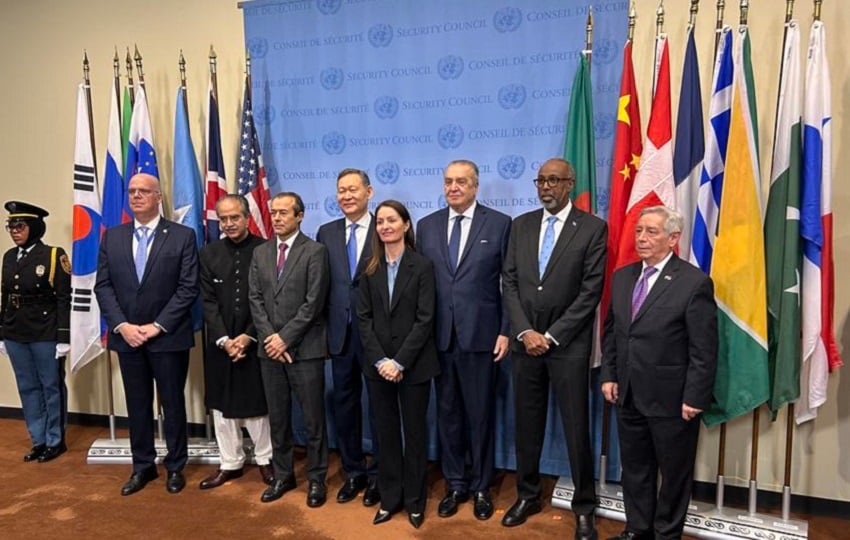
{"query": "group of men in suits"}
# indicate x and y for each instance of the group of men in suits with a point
(530, 286)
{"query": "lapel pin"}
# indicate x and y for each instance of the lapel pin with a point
(668, 278)
(575, 224)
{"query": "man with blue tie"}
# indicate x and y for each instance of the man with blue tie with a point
(147, 282)
(348, 241)
(552, 282)
(467, 243)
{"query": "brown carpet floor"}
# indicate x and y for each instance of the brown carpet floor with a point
(69, 498)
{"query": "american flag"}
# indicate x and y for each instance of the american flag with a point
(250, 174)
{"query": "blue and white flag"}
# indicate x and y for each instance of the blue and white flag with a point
(141, 155)
(86, 341)
(714, 162)
(188, 198)
(690, 145)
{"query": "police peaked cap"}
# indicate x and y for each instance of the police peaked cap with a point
(21, 211)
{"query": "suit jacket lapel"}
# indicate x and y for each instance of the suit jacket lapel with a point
(292, 257)
(401, 279)
(442, 237)
(159, 238)
(366, 254)
(568, 231)
(667, 277)
(478, 219)
(383, 286)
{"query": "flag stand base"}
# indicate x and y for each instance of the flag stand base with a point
(704, 520)
(117, 451)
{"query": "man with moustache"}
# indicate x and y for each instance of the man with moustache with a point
(467, 243)
(659, 358)
(348, 241)
(233, 383)
(147, 282)
(287, 290)
(552, 280)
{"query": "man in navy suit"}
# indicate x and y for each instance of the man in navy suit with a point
(659, 359)
(467, 243)
(147, 282)
(349, 246)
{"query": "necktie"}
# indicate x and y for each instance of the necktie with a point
(641, 289)
(548, 244)
(281, 258)
(22, 253)
(352, 250)
(141, 259)
(454, 243)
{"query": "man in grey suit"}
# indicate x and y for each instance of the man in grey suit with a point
(552, 282)
(287, 289)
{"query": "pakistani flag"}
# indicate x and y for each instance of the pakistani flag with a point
(580, 142)
(782, 233)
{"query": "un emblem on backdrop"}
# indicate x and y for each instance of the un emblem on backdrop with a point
(511, 166)
(331, 78)
(380, 35)
(264, 115)
(450, 136)
(386, 107)
(602, 196)
(603, 125)
(333, 143)
(328, 7)
(450, 67)
(387, 172)
(332, 207)
(258, 47)
(512, 96)
(605, 51)
(507, 19)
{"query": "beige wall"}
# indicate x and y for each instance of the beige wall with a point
(41, 45)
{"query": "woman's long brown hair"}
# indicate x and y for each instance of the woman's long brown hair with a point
(379, 252)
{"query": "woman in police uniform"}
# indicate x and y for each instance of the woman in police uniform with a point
(34, 325)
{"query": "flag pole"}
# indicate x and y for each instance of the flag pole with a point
(87, 87)
(659, 31)
(128, 63)
(137, 56)
(816, 14)
(718, 25)
(692, 18)
(214, 73)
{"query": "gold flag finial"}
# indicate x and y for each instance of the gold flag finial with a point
(789, 10)
(632, 20)
(182, 64)
(693, 13)
(588, 30)
(745, 11)
(659, 18)
(248, 64)
(86, 67)
(816, 14)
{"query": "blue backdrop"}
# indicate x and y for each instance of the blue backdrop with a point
(401, 87)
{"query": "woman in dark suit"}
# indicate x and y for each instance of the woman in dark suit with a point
(396, 314)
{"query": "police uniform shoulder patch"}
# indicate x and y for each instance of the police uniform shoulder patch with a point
(65, 262)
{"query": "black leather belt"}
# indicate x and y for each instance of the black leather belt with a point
(18, 300)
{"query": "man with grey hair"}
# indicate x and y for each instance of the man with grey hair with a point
(659, 357)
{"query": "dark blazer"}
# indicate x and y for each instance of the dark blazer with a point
(668, 355)
(166, 293)
(564, 301)
(470, 296)
(39, 308)
(401, 328)
(294, 305)
(344, 291)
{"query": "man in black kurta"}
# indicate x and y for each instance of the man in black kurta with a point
(234, 386)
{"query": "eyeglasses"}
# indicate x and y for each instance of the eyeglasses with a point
(550, 181)
(19, 226)
(141, 191)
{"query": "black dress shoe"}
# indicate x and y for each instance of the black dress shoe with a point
(585, 527)
(625, 535)
(138, 480)
(448, 505)
(317, 494)
(52, 452)
(371, 496)
(267, 472)
(219, 478)
(483, 506)
(382, 516)
(416, 519)
(351, 488)
(175, 482)
(277, 489)
(520, 511)
(35, 452)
